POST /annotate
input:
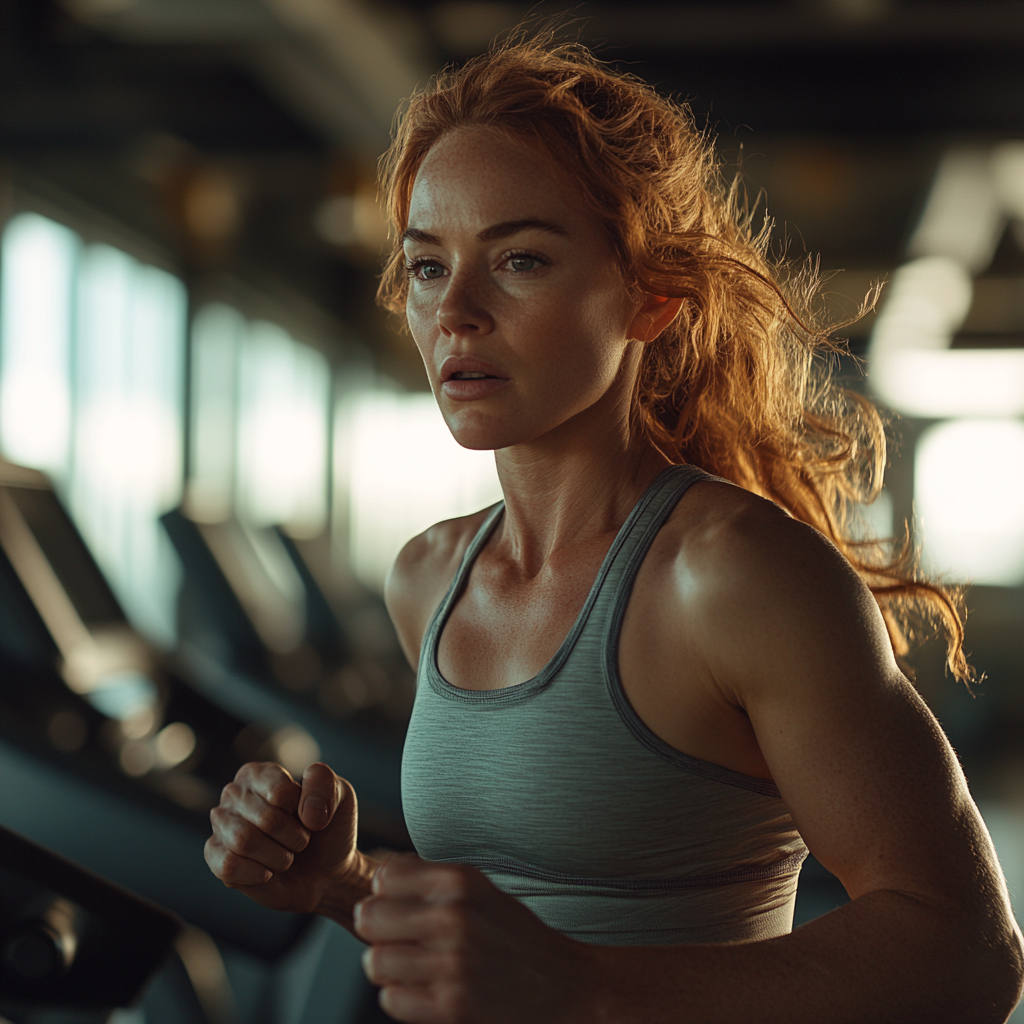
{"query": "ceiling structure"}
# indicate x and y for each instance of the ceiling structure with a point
(239, 137)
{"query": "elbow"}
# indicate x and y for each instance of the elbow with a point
(1008, 980)
(976, 970)
(994, 985)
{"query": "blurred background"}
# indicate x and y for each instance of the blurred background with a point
(214, 443)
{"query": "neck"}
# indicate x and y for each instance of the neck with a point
(575, 484)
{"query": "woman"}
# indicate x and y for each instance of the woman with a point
(644, 691)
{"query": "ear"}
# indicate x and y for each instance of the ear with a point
(654, 315)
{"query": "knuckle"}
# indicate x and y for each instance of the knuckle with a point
(269, 819)
(368, 915)
(394, 865)
(230, 793)
(255, 771)
(453, 922)
(371, 963)
(229, 867)
(245, 839)
(224, 823)
(279, 791)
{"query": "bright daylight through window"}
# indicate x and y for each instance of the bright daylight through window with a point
(969, 472)
(91, 375)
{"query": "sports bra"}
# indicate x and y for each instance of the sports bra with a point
(565, 799)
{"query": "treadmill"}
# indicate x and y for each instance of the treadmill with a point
(259, 635)
(108, 755)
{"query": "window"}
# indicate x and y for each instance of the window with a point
(406, 472)
(969, 489)
(260, 424)
(91, 377)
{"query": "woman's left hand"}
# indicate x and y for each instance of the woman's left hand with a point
(448, 947)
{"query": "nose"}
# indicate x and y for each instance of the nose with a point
(461, 311)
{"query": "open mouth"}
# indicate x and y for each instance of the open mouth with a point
(468, 375)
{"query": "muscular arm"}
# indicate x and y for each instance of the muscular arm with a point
(783, 628)
(790, 634)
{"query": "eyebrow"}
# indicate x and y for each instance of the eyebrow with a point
(494, 232)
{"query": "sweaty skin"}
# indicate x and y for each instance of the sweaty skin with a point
(749, 642)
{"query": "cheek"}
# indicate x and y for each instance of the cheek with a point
(598, 331)
(422, 321)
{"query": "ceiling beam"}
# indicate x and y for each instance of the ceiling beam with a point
(467, 26)
(340, 67)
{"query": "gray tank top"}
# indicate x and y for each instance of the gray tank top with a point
(559, 792)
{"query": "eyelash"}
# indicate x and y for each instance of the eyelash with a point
(525, 254)
(412, 266)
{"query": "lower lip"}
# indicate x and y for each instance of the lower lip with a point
(471, 390)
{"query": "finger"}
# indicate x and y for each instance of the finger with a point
(231, 869)
(386, 919)
(272, 782)
(322, 794)
(405, 876)
(417, 1004)
(244, 839)
(281, 826)
(402, 963)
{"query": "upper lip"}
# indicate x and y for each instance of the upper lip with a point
(468, 364)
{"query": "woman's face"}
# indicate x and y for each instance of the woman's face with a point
(515, 299)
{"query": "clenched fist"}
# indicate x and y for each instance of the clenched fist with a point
(448, 947)
(288, 845)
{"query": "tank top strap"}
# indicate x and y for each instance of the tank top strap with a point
(618, 574)
(429, 645)
(607, 598)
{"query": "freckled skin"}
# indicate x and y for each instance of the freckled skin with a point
(559, 330)
(749, 642)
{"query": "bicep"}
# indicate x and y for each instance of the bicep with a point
(868, 775)
(872, 784)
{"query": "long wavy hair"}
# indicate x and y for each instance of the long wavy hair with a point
(742, 383)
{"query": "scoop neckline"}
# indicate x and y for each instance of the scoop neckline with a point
(536, 683)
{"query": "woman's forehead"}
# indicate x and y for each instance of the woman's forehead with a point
(482, 176)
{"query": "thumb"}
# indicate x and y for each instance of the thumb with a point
(322, 793)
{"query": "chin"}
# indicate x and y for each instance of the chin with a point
(487, 436)
(480, 440)
(479, 433)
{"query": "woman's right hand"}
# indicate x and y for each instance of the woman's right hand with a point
(289, 845)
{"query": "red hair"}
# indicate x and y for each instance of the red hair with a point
(740, 383)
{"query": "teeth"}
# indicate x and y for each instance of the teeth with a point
(469, 375)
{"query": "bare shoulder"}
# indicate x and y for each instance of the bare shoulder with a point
(717, 521)
(750, 579)
(792, 635)
(421, 574)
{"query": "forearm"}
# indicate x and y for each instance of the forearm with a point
(883, 957)
(347, 889)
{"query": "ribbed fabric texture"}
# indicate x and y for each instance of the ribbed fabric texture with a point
(566, 800)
